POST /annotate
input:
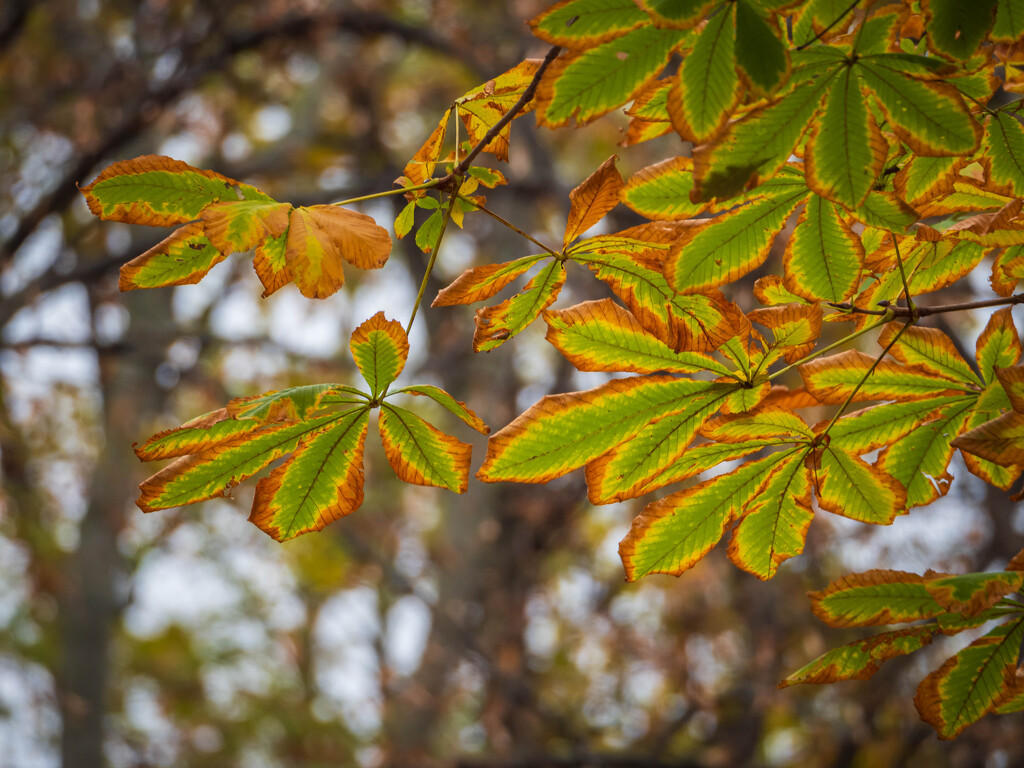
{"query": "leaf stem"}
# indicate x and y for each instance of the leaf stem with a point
(903, 276)
(864, 378)
(401, 191)
(433, 257)
(835, 345)
(511, 226)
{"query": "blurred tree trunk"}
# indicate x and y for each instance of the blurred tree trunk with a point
(95, 588)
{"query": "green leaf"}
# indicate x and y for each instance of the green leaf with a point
(760, 54)
(633, 271)
(585, 23)
(681, 14)
(662, 190)
(319, 483)
(442, 398)
(159, 192)
(602, 336)
(928, 116)
(872, 428)
(1004, 142)
(708, 87)
(734, 244)
(756, 146)
(405, 220)
(851, 487)
(920, 461)
(846, 152)
(672, 534)
(833, 379)
(380, 349)
(426, 235)
(292, 404)
(930, 349)
(883, 209)
(955, 28)
(860, 659)
(874, 598)
(420, 453)
(627, 469)
(972, 683)
(1009, 25)
(214, 471)
(824, 257)
(776, 519)
(971, 593)
(182, 258)
(603, 78)
(559, 433)
(496, 325)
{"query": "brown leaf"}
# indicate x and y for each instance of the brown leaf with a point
(592, 199)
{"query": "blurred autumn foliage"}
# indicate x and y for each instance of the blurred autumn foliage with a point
(488, 630)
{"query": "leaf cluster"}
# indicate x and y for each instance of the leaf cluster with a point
(882, 142)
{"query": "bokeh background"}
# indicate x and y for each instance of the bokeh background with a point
(490, 630)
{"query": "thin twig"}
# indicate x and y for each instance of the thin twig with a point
(903, 276)
(498, 127)
(835, 345)
(400, 191)
(864, 378)
(433, 258)
(511, 226)
(939, 309)
(826, 30)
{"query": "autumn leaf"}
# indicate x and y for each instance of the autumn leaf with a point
(319, 237)
(591, 200)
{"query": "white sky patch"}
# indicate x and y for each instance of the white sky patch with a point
(408, 627)
(272, 123)
(28, 722)
(190, 301)
(38, 254)
(31, 372)
(347, 670)
(60, 315)
(927, 537)
(312, 328)
(177, 588)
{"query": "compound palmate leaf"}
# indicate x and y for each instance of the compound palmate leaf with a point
(320, 432)
(222, 216)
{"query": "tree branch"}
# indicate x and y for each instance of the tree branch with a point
(938, 309)
(507, 118)
(148, 108)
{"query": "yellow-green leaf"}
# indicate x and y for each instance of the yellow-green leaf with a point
(602, 336)
(182, 258)
(422, 454)
(672, 534)
(874, 598)
(708, 87)
(973, 682)
(596, 81)
(776, 519)
(496, 325)
(559, 433)
(157, 191)
(319, 483)
(380, 349)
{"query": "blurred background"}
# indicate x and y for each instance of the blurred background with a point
(490, 630)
